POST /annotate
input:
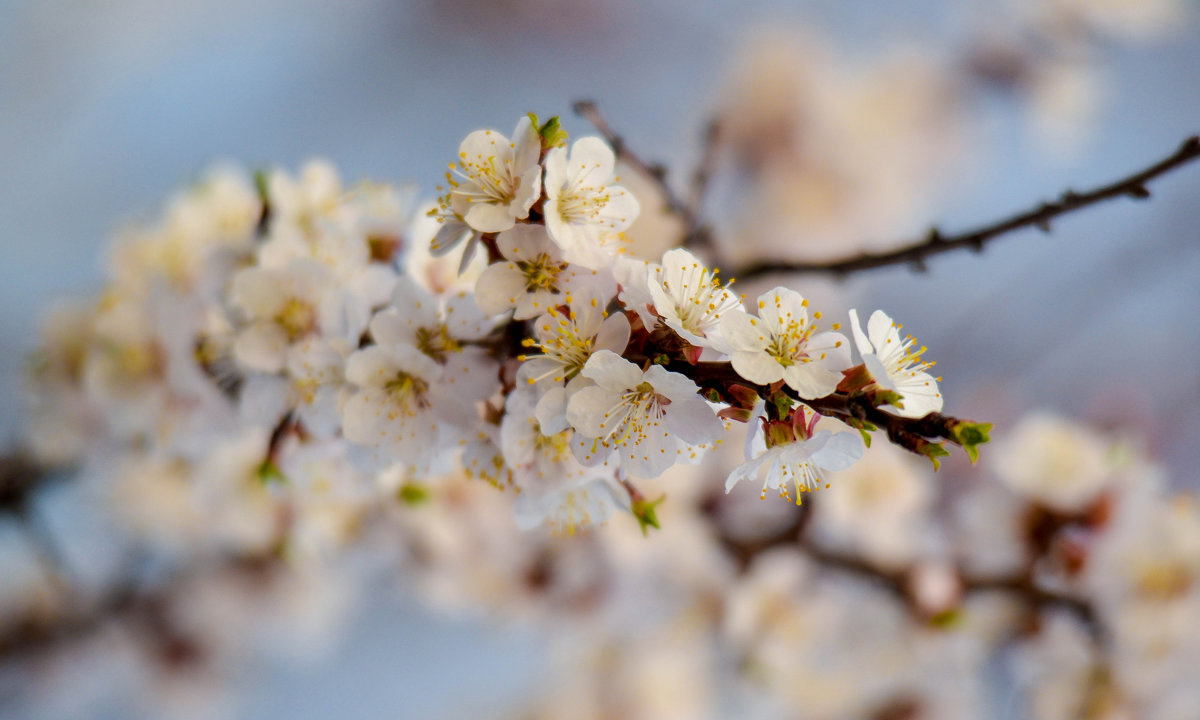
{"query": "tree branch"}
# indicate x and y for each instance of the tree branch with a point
(915, 253)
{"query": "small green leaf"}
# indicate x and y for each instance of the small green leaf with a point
(646, 513)
(970, 435)
(413, 493)
(269, 472)
(947, 619)
(262, 181)
(933, 451)
(551, 132)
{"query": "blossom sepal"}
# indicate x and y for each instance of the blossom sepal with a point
(970, 435)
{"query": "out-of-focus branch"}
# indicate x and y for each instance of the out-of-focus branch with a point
(696, 231)
(915, 253)
(898, 582)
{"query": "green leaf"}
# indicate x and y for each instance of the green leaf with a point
(933, 451)
(970, 435)
(413, 493)
(551, 132)
(646, 513)
(269, 472)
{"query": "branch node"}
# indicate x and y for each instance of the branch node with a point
(583, 107)
(1139, 192)
(935, 236)
(1191, 145)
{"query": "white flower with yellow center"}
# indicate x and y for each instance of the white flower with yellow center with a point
(443, 329)
(582, 202)
(533, 276)
(799, 464)
(494, 182)
(395, 406)
(691, 299)
(283, 306)
(544, 469)
(895, 365)
(568, 339)
(780, 344)
(651, 418)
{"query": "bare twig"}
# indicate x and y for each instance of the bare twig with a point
(915, 253)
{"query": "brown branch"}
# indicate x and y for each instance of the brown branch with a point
(897, 581)
(696, 232)
(915, 253)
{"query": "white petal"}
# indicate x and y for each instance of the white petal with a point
(860, 338)
(694, 421)
(676, 387)
(757, 367)
(489, 217)
(810, 380)
(613, 334)
(262, 346)
(591, 162)
(780, 306)
(744, 332)
(587, 408)
(499, 288)
(612, 372)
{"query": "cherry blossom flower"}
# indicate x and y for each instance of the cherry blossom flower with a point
(582, 201)
(691, 300)
(649, 417)
(534, 276)
(798, 463)
(395, 406)
(568, 339)
(895, 365)
(493, 184)
(779, 344)
(551, 482)
(283, 306)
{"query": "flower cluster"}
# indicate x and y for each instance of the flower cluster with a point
(508, 330)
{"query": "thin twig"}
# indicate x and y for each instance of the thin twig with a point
(915, 253)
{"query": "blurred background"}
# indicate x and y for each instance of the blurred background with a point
(107, 107)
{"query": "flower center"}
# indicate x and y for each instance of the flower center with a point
(297, 318)
(582, 204)
(541, 273)
(436, 342)
(408, 391)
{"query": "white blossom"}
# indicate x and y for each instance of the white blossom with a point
(779, 344)
(896, 365)
(567, 340)
(533, 276)
(493, 184)
(583, 203)
(650, 418)
(691, 299)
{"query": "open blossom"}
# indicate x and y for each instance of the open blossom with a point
(895, 364)
(800, 463)
(395, 405)
(442, 330)
(283, 306)
(553, 485)
(493, 184)
(691, 300)
(779, 344)
(533, 276)
(567, 340)
(582, 201)
(1055, 463)
(649, 417)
